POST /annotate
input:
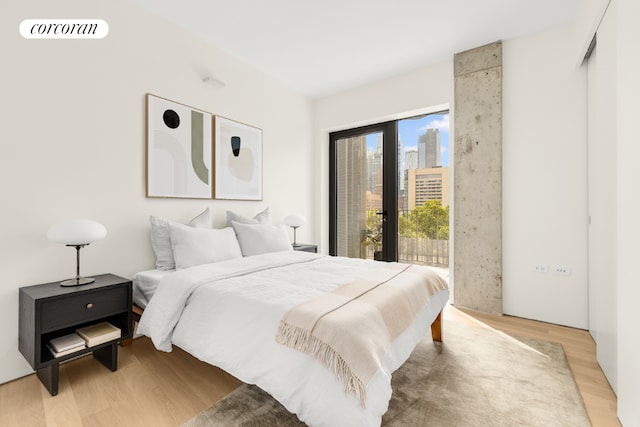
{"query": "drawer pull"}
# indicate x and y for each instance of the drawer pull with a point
(89, 305)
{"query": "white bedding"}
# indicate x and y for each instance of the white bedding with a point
(145, 284)
(227, 314)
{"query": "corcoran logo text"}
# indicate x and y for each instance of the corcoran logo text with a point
(64, 28)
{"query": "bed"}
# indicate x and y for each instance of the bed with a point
(238, 313)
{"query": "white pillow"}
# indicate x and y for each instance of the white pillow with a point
(260, 218)
(194, 246)
(256, 239)
(161, 242)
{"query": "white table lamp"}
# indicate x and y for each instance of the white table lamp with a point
(77, 233)
(294, 221)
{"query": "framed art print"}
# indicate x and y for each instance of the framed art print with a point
(178, 150)
(237, 160)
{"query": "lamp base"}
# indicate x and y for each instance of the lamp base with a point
(77, 281)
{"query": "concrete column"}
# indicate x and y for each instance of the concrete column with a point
(478, 178)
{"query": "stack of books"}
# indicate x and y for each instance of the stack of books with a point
(99, 333)
(66, 344)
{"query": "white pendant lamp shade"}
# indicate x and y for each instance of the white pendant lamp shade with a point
(77, 232)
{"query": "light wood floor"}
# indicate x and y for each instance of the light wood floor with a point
(152, 388)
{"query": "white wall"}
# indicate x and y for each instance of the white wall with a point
(613, 140)
(544, 179)
(73, 143)
(590, 14)
(628, 211)
(602, 155)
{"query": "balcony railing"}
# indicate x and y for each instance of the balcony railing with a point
(423, 251)
(414, 250)
(419, 251)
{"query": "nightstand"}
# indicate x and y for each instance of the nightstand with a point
(306, 247)
(49, 310)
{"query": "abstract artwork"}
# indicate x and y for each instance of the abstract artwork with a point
(178, 150)
(237, 160)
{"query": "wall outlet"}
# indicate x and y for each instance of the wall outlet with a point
(540, 268)
(563, 271)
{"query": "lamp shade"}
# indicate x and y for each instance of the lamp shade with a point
(294, 220)
(76, 232)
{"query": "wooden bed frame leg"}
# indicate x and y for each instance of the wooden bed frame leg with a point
(136, 314)
(436, 328)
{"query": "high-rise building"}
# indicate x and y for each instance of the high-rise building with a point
(429, 149)
(411, 159)
(400, 159)
(427, 184)
(374, 167)
(410, 162)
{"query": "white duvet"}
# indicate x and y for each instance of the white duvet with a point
(227, 314)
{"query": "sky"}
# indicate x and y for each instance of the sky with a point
(410, 129)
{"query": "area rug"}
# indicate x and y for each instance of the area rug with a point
(477, 377)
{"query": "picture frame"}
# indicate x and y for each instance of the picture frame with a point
(178, 150)
(237, 160)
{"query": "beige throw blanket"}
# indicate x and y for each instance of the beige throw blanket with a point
(351, 328)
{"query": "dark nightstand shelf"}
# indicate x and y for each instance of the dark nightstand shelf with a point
(49, 310)
(305, 247)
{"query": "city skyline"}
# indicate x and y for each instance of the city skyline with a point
(410, 130)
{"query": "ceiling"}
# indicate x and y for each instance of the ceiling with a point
(323, 47)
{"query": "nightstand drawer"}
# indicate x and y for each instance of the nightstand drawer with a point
(77, 309)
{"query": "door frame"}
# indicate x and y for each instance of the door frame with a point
(389, 185)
